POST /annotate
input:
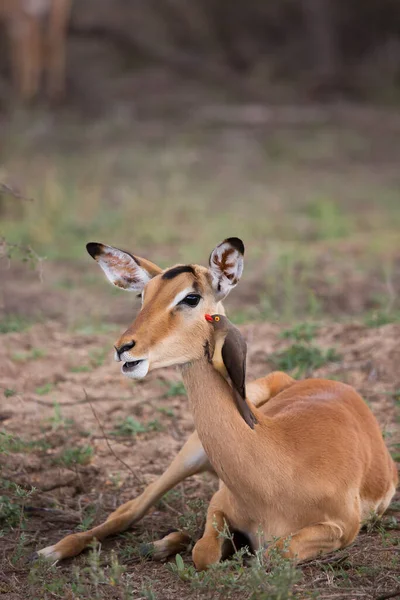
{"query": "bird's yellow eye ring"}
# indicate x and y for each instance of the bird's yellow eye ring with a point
(216, 319)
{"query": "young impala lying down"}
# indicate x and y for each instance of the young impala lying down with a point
(314, 466)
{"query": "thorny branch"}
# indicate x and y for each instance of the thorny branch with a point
(26, 253)
(108, 443)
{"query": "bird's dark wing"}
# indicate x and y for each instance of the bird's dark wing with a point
(234, 352)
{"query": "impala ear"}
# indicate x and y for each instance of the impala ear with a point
(124, 270)
(226, 266)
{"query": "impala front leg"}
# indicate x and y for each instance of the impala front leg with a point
(190, 460)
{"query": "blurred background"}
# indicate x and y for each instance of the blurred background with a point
(165, 127)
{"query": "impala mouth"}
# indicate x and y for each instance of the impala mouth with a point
(136, 369)
(129, 366)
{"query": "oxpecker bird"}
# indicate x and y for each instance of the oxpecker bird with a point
(229, 359)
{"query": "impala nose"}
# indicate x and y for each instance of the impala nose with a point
(124, 348)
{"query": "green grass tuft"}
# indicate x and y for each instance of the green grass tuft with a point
(303, 359)
(13, 324)
(131, 427)
(302, 332)
(75, 456)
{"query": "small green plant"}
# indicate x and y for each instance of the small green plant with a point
(165, 410)
(33, 354)
(262, 579)
(9, 392)
(193, 520)
(381, 317)
(42, 390)
(147, 591)
(58, 420)
(98, 356)
(52, 584)
(329, 220)
(175, 388)
(303, 332)
(395, 452)
(81, 369)
(75, 456)
(12, 504)
(302, 358)
(10, 513)
(11, 443)
(13, 324)
(88, 517)
(131, 427)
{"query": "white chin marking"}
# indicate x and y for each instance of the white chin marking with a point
(49, 553)
(137, 371)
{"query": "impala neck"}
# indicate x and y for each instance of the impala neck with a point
(230, 444)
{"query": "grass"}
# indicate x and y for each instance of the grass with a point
(58, 420)
(11, 443)
(130, 427)
(318, 246)
(71, 457)
(175, 388)
(254, 577)
(302, 358)
(381, 317)
(98, 356)
(32, 354)
(44, 389)
(9, 392)
(156, 199)
(301, 332)
(13, 324)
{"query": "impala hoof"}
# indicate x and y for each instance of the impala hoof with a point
(146, 550)
(49, 553)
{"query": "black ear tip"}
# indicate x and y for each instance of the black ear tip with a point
(94, 249)
(236, 243)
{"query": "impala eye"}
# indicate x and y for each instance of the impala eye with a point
(191, 300)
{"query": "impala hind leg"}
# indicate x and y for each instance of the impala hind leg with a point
(190, 460)
(261, 390)
(311, 541)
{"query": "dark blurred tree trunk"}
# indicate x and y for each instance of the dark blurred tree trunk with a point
(321, 27)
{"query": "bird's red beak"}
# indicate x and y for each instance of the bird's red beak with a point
(208, 318)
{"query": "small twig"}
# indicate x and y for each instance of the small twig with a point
(108, 443)
(171, 508)
(54, 514)
(7, 189)
(324, 561)
(27, 251)
(393, 594)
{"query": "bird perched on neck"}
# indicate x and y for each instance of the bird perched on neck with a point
(229, 359)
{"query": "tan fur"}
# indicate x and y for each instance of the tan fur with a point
(37, 38)
(311, 470)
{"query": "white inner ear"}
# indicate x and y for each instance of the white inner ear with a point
(122, 270)
(226, 268)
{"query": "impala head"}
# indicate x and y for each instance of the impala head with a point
(170, 328)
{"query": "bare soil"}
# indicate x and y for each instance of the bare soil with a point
(66, 384)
